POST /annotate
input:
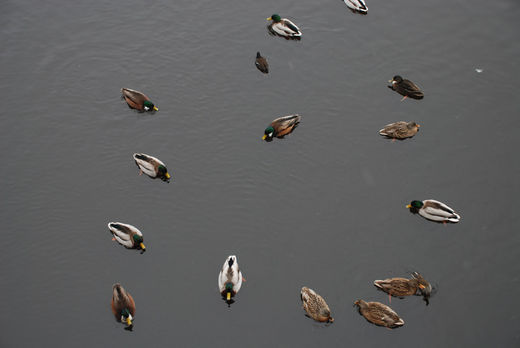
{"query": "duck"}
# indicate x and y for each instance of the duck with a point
(230, 278)
(406, 88)
(434, 210)
(379, 314)
(357, 6)
(405, 287)
(138, 100)
(123, 305)
(400, 130)
(315, 306)
(151, 166)
(284, 28)
(261, 63)
(127, 235)
(281, 126)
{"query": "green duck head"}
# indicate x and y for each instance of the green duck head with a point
(275, 18)
(163, 173)
(126, 317)
(148, 105)
(268, 134)
(138, 240)
(229, 291)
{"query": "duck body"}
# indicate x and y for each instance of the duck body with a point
(400, 130)
(405, 287)
(315, 306)
(357, 6)
(379, 314)
(434, 210)
(152, 166)
(283, 27)
(406, 88)
(230, 278)
(261, 63)
(127, 235)
(138, 100)
(281, 126)
(123, 305)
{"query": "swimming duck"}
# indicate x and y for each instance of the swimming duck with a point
(138, 100)
(230, 278)
(433, 210)
(379, 314)
(405, 287)
(151, 166)
(123, 305)
(405, 88)
(315, 305)
(358, 6)
(261, 63)
(281, 126)
(400, 130)
(284, 28)
(127, 235)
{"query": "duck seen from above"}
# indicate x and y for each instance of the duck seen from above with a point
(123, 305)
(405, 287)
(357, 6)
(230, 279)
(434, 210)
(406, 88)
(284, 28)
(151, 166)
(281, 127)
(127, 235)
(315, 306)
(138, 100)
(261, 63)
(400, 130)
(379, 314)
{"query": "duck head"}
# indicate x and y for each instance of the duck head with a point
(396, 79)
(424, 286)
(148, 105)
(126, 317)
(414, 206)
(163, 173)
(275, 18)
(268, 134)
(412, 125)
(138, 240)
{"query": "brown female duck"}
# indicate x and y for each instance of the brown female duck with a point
(315, 305)
(405, 88)
(400, 130)
(379, 314)
(405, 287)
(261, 63)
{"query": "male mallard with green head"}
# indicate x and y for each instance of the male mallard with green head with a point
(315, 306)
(151, 166)
(138, 100)
(434, 210)
(123, 305)
(281, 126)
(406, 88)
(379, 314)
(284, 28)
(230, 278)
(127, 235)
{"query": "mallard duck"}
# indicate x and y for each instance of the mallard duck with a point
(123, 305)
(151, 166)
(400, 130)
(379, 314)
(433, 210)
(358, 6)
(315, 305)
(284, 28)
(281, 127)
(405, 287)
(261, 63)
(230, 278)
(405, 88)
(127, 235)
(138, 100)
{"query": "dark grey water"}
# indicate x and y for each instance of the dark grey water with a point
(322, 208)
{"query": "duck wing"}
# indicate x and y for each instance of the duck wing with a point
(285, 125)
(439, 211)
(410, 89)
(122, 233)
(135, 99)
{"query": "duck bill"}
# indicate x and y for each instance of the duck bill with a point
(408, 206)
(418, 126)
(228, 296)
(155, 108)
(168, 176)
(265, 136)
(270, 18)
(142, 246)
(128, 322)
(422, 286)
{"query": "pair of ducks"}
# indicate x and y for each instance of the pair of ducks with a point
(375, 312)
